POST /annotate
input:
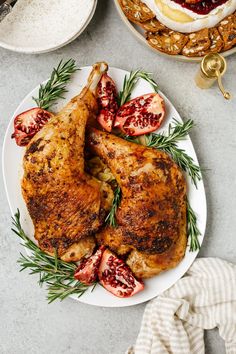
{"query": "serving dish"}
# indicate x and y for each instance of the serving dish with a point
(12, 172)
(28, 30)
(139, 33)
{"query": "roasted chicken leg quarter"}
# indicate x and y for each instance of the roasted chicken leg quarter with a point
(151, 217)
(64, 202)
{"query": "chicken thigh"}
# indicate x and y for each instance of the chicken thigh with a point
(151, 218)
(65, 203)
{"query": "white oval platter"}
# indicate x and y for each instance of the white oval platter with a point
(12, 172)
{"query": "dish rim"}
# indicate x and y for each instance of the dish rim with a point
(142, 39)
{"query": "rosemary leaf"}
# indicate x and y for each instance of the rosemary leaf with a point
(193, 231)
(56, 85)
(59, 290)
(56, 274)
(111, 217)
(130, 83)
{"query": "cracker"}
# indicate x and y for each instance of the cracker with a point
(197, 42)
(152, 25)
(216, 42)
(227, 29)
(136, 11)
(167, 41)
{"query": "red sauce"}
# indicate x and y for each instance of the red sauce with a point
(203, 7)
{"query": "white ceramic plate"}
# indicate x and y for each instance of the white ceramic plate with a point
(139, 33)
(40, 26)
(12, 171)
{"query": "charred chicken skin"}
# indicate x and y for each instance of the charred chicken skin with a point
(151, 217)
(66, 204)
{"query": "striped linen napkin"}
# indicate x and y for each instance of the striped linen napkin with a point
(205, 298)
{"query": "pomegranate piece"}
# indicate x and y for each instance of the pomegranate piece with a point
(141, 115)
(116, 276)
(28, 123)
(87, 271)
(107, 102)
(106, 119)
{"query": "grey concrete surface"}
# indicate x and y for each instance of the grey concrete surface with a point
(28, 325)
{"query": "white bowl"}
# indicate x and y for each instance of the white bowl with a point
(40, 26)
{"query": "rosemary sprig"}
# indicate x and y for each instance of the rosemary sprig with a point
(193, 231)
(168, 143)
(56, 274)
(60, 290)
(56, 85)
(131, 81)
(111, 217)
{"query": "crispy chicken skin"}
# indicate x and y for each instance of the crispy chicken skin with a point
(64, 202)
(151, 217)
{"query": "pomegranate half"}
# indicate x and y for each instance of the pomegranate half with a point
(87, 271)
(28, 123)
(142, 115)
(107, 102)
(116, 277)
